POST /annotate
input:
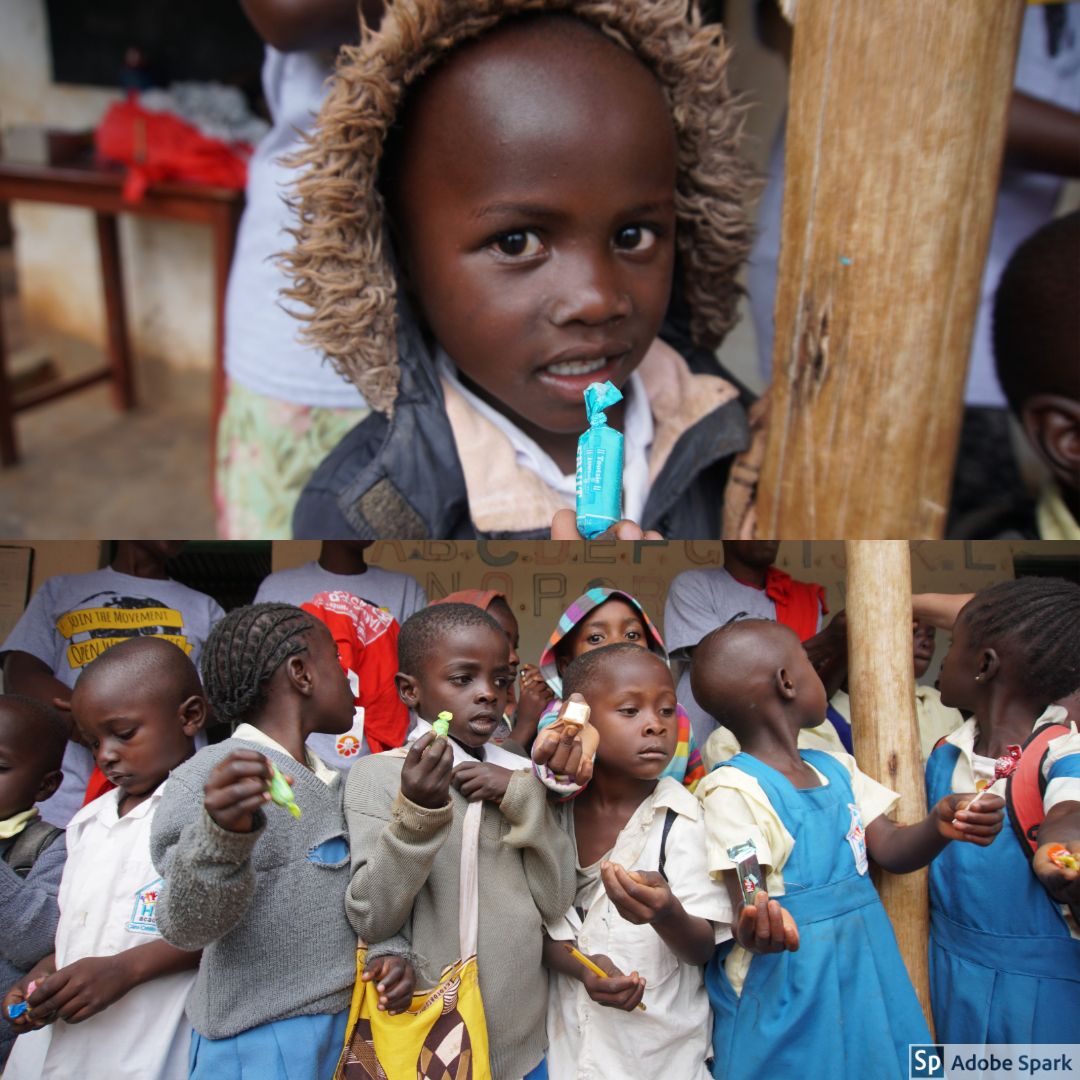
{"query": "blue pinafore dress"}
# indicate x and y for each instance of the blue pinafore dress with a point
(843, 1005)
(1003, 966)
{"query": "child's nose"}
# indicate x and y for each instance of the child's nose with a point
(591, 291)
(656, 725)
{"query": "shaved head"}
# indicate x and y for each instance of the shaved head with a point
(30, 727)
(139, 666)
(734, 668)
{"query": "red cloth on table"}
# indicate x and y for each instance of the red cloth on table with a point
(159, 146)
(366, 638)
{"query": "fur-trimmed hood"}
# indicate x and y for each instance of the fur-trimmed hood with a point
(342, 266)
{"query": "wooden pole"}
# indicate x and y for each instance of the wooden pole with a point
(896, 127)
(884, 727)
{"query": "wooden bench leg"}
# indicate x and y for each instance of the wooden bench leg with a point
(123, 381)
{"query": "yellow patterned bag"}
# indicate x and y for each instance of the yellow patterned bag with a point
(443, 1035)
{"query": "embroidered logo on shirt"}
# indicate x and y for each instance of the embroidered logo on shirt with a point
(142, 918)
(856, 837)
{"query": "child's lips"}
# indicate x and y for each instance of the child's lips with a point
(653, 752)
(569, 377)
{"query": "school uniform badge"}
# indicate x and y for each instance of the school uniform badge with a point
(856, 837)
(142, 917)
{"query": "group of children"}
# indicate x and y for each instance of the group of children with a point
(207, 919)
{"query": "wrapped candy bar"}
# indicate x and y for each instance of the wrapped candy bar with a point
(599, 465)
(744, 856)
(282, 794)
(1062, 857)
(574, 714)
(442, 724)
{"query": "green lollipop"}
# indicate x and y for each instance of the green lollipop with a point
(282, 793)
(442, 725)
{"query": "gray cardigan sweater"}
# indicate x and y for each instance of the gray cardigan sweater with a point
(405, 870)
(271, 923)
(28, 918)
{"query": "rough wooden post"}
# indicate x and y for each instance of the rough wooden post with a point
(884, 728)
(895, 133)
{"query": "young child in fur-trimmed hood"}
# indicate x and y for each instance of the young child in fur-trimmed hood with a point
(503, 203)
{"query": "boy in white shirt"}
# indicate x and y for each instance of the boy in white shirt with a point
(645, 902)
(114, 992)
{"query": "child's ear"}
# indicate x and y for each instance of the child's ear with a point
(50, 782)
(989, 664)
(784, 686)
(561, 664)
(299, 674)
(408, 689)
(193, 715)
(1052, 425)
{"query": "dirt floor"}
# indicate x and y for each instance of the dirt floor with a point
(88, 470)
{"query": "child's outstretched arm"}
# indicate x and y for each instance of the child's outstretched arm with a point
(618, 991)
(88, 986)
(761, 927)
(201, 844)
(395, 834)
(643, 896)
(903, 848)
(1060, 829)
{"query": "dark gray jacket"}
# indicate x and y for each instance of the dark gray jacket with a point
(400, 478)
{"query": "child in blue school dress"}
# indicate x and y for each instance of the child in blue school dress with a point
(818, 982)
(1004, 944)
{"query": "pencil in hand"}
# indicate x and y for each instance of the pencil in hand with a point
(594, 968)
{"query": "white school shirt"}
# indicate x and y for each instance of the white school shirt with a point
(107, 897)
(493, 755)
(587, 1041)
(637, 441)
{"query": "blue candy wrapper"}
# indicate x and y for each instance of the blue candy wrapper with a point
(17, 1010)
(599, 465)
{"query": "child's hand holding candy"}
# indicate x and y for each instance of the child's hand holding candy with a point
(238, 787)
(568, 745)
(1058, 868)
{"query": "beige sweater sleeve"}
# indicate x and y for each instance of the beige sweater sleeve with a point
(394, 843)
(547, 851)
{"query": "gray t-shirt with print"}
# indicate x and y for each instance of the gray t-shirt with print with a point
(74, 618)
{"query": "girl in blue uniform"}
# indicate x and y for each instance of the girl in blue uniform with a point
(1004, 952)
(816, 983)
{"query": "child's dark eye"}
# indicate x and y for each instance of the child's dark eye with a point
(635, 238)
(460, 680)
(519, 244)
(595, 639)
(125, 735)
(632, 635)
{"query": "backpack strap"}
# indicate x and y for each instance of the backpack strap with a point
(669, 820)
(1025, 788)
(29, 844)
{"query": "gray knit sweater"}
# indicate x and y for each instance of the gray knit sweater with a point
(405, 869)
(28, 918)
(271, 923)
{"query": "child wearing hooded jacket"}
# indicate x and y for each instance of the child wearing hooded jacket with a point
(597, 618)
(493, 288)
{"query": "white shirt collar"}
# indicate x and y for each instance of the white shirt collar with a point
(637, 440)
(250, 733)
(496, 755)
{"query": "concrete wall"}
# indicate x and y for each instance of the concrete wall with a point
(168, 270)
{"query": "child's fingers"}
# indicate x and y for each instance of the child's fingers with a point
(777, 931)
(416, 751)
(636, 900)
(374, 969)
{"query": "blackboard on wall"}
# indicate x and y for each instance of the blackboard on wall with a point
(194, 39)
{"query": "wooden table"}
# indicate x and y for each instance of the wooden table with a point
(98, 188)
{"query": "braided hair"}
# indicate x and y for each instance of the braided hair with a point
(244, 650)
(1038, 619)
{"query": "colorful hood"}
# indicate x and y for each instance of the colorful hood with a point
(575, 613)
